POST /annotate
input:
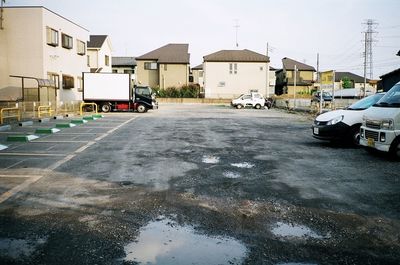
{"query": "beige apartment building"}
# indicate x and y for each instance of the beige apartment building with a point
(164, 67)
(99, 51)
(37, 42)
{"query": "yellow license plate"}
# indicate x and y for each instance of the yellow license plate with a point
(371, 142)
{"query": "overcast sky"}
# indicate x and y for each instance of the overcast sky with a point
(298, 29)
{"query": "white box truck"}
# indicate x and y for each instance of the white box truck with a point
(381, 124)
(116, 92)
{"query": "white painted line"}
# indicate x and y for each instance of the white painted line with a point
(30, 154)
(60, 162)
(13, 165)
(6, 195)
(54, 142)
(80, 150)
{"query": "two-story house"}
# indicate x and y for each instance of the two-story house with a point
(124, 65)
(37, 42)
(285, 77)
(99, 51)
(230, 73)
(164, 67)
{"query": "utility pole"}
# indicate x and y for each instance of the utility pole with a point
(320, 86)
(365, 64)
(1, 14)
(294, 83)
(237, 29)
(267, 69)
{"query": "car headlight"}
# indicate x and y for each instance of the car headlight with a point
(387, 125)
(335, 120)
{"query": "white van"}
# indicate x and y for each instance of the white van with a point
(381, 124)
(343, 125)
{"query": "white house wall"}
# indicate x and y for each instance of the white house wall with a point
(24, 50)
(220, 83)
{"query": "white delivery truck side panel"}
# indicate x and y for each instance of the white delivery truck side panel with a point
(106, 86)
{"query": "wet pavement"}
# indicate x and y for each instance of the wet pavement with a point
(195, 184)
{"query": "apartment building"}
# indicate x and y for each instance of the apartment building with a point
(37, 42)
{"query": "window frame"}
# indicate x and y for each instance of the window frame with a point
(79, 46)
(49, 37)
(67, 41)
(106, 60)
(66, 83)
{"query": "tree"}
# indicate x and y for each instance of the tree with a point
(346, 82)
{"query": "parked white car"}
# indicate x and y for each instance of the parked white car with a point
(343, 125)
(254, 100)
(381, 124)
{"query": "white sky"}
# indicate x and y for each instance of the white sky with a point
(298, 29)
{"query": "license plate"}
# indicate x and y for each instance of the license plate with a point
(371, 142)
(316, 130)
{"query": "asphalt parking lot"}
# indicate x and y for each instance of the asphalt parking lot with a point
(195, 184)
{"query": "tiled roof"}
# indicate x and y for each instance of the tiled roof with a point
(236, 56)
(123, 61)
(96, 41)
(170, 53)
(353, 77)
(394, 72)
(289, 64)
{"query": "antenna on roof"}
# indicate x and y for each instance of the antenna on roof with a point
(237, 29)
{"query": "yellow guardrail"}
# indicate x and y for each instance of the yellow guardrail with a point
(10, 113)
(44, 110)
(94, 107)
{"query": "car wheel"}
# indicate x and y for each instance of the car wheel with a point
(354, 136)
(239, 106)
(105, 107)
(257, 106)
(395, 149)
(141, 108)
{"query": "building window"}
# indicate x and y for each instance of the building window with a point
(66, 41)
(52, 37)
(88, 60)
(81, 47)
(165, 67)
(68, 82)
(128, 71)
(200, 73)
(55, 78)
(150, 66)
(233, 68)
(115, 71)
(107, 60)
(80, 84)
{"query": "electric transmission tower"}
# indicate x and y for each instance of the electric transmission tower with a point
(369, 40)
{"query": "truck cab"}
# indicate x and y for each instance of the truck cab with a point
(381, 124)
(144, 98)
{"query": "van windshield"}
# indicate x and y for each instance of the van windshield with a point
(391, 99)
(365, 103)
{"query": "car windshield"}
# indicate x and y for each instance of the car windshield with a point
(391, 99)
(365, 103)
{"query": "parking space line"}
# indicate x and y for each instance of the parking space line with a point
(56, 142)
(31, 179)
(13, 165)
(30, 154)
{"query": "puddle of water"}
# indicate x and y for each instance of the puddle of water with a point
(243, 165)
(231, 175)
(208, 159)
(165, 242)
(292, 230)
(18, 248)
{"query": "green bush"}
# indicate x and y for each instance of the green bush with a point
(187, 91)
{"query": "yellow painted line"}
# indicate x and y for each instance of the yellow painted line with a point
(6, 195)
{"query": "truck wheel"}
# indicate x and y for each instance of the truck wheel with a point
(105, 107)
(239, 106)
(257, 106)
(141, 108)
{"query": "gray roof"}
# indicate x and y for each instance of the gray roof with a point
(394, 72)
(353, 77)
(236, 56)
(289, 64)
(96, 41)
(199, 67)
(170, 53)
(123, 61)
